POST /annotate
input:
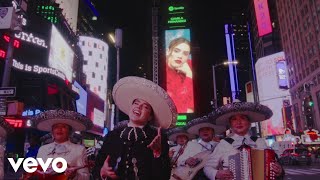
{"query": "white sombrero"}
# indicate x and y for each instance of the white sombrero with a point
(175, 132)
(45, 120)
(5, 127)
(195, 125)
(127, 89)
(256, 112)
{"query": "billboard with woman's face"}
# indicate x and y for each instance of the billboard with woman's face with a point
(179, 69)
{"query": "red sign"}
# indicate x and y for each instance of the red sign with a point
(263, 17)
(2, 53)
(16, 123)
(16, 43)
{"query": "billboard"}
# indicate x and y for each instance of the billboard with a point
(61, 56)
(82, 101)
(95, 111)
(179, 69)
(95, 66)
(70, 12)
(263, 17)
(272, 93)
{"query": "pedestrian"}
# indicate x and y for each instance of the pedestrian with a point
(138, 148)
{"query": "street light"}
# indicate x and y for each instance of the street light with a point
(214, 79)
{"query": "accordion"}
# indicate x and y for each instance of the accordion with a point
(252, 164)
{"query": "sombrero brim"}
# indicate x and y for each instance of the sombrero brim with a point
(255, 112)
(45, 120)
(127, 89)
(173, 137)
(194, 129)
(46, 125)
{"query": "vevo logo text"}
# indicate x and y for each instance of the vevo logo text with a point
(30, 165)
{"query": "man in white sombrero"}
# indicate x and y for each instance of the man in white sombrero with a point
(137, 149)
(5, 128)
(204, 128)
(185, 149)
(239, 116)
(61, 124)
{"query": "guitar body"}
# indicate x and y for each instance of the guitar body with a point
(187, 172)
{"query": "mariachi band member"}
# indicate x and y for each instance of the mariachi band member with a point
(204, 128)
(182, 153)
(138, 149)
(239, 116)
(61, 124)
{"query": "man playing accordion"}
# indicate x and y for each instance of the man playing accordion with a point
(239, 115)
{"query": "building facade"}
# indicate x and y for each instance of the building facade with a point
(299, 26)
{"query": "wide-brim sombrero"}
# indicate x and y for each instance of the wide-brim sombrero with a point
(127, 89)
(195, 125)
(256, 112)
(45, 120)
(5, 127)
(175, 132)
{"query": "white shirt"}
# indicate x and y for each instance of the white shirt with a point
(207, 145)
(224, 149)
(74, 154)
(191, 149)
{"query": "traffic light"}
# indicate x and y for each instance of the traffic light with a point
(311, 103)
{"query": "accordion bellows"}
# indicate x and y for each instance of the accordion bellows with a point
(254, 164)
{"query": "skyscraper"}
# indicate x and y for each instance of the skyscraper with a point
(299, 26)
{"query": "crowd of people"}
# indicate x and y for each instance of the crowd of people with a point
(138, 148)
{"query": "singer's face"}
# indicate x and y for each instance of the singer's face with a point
(240, 124)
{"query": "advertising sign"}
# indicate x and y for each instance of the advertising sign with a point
(82, 101)
(271, 94)
(263, 17)
(282, 74)
(6, 14)
(179, 69)
(61, 56)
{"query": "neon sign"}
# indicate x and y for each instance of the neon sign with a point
(16, 43)
(176, 16)
(16, 123)
(2, 53)
(38, 69)
(263, 17)
(30, 112)
(32, 39)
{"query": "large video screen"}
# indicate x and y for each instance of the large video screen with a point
(82, 101)
(179, 69)
(61, 56)
(272, 90)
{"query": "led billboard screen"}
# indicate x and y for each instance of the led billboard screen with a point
(179, 69)
(61, 56)
(271, 93)
(263, 17)
(82, 101)
(95, 66)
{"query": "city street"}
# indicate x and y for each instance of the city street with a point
(299, 172)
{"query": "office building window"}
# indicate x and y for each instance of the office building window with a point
(85, 62)
(97, 64)
(93, 75)
(90, 53)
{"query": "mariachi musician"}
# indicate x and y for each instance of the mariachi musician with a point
(62, 123)
(239, 116)
(204, 128)
(185, 149)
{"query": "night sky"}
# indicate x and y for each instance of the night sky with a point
(134, 17)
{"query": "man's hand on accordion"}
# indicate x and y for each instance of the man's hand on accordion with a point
(224, 174)
(277, 169)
